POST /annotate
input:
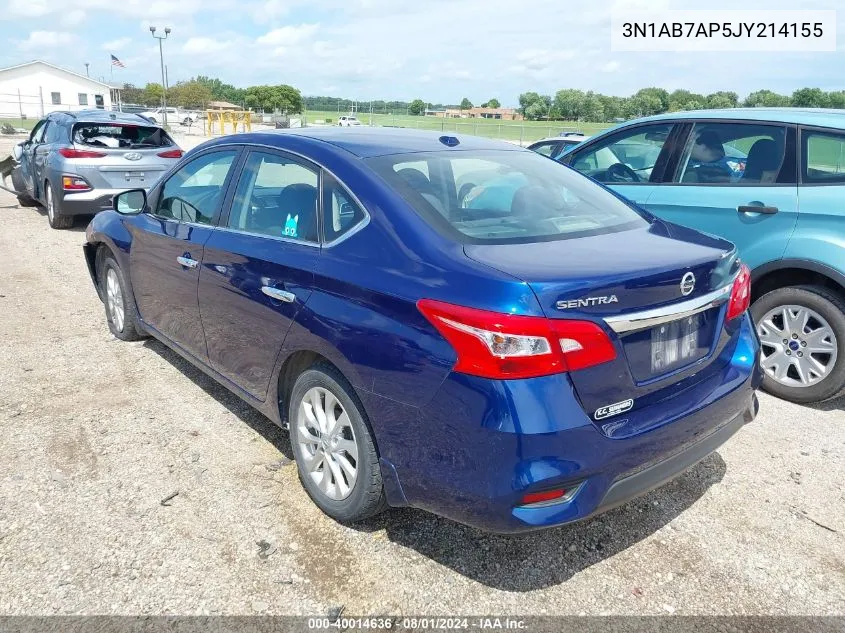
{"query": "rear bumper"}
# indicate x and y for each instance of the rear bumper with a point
(480, 445)
(87, 202)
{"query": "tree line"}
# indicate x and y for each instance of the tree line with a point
(576, 105)
(197, 92)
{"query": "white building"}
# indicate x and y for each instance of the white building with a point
(36, 88)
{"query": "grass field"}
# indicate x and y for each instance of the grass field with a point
(525, 131)
(26, 124)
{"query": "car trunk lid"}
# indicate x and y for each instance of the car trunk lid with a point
(658, 292)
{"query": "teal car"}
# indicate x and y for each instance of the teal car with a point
(773, 182)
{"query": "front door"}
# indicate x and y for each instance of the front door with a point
(29, 157)
(167, 248)
(258, 267)
(737, 180)
(630, 161)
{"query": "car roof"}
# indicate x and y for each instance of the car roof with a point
(822, 117)
(366, 142)
(105, 116)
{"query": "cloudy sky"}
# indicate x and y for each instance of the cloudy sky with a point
(439, 50)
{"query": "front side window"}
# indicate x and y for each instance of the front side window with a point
(56, 98)
(629, 156)
(504, 196)
(735, 153)
(276, 196)
(194, 192)
(824, 157)
(38, 131)
(83, 98)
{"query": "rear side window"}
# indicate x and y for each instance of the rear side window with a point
(736, 154)
(504, 196)
(56, 133)
(824, 157)
(341, 213)
(276, 196)
(120, 136)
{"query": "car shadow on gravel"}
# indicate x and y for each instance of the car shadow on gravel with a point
(542, 559)
(836, 403)
(512, 563)
(257, 421)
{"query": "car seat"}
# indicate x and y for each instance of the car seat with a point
(763, 162)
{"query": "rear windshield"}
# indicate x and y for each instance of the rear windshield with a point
(504, 196)
(120, 136)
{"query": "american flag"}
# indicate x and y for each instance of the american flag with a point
(116, 62)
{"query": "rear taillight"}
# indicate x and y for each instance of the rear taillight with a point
(498, 345)
(70, 152)
(74, 183)
(171, 153)
(740, 293)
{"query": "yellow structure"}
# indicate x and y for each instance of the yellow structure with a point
(212, 117)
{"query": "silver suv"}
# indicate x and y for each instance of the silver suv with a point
(75, 162)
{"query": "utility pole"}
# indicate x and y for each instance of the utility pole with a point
(86, 69)
(163, 77)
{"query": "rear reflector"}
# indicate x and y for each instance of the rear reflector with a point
(501, 346)
(740, 293)
(71, 152)
(73, 183)
(172, 153)
(541, 497)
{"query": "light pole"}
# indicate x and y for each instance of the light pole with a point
(86, 69)
(161, 55)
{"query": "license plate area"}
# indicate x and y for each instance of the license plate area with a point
(655, 352)
(674, 344)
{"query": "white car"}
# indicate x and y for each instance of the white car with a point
(174, 115)
(348, 121)
(557, 146)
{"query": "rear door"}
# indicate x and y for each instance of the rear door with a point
(738, 180)
(257, 270)
(167, 247)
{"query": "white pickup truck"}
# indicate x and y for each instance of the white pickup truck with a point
(174, 115)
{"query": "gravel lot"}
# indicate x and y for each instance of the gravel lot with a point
(96, 433)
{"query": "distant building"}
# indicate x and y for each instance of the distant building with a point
(502, 114)
(36, 88)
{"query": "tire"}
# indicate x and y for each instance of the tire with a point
(54, 211)
(324, 475)
(824, 371)
(18, 185)
(121, 313)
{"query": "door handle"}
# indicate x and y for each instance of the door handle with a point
(187, 262)
(279, 295)
(757, 208)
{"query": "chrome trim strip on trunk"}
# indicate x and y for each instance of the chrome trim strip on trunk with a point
(633, 321)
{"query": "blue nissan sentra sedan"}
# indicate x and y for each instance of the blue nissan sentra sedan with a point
(512, 364)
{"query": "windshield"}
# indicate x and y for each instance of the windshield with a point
(504, 196)
(120, 136)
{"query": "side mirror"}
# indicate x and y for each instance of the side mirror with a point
(17, 151)
(130, 202)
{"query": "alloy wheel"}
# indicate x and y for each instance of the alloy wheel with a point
(114, 298)
(799, 346)
(327, 443)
